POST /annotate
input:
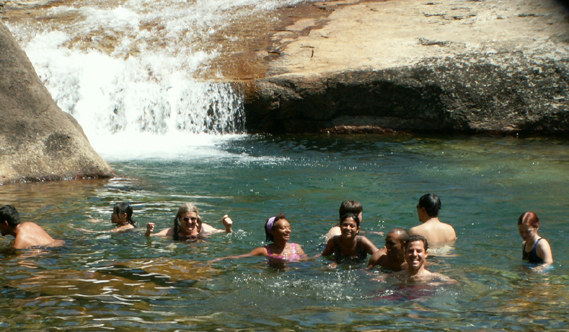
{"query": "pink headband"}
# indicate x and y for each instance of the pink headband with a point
(270, 223)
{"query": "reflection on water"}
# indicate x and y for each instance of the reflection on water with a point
(100, 281)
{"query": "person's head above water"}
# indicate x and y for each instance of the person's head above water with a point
(186, 219)
(396, 240)
(529, 218)
(122, 209)
(270, 225)
(348, 216)
(10, 214)
(350, 206)
(431, 203)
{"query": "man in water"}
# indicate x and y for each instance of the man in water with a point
(27, 234)
(416, 253)
(391, 257)
(435, 231)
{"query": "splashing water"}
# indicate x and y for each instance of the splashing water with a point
(129, 71)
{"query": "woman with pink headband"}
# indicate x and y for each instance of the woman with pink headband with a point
(278, 231)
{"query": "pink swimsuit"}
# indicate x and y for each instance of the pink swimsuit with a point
(294, 257)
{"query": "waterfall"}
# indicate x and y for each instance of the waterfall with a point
(131, 72)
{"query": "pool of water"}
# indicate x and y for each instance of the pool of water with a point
(102, 281)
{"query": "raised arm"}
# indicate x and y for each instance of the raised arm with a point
(150, 229)
(227, 223)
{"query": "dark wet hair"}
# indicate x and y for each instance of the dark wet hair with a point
(414, 238)
(185, 208)
(124, 207)
(269, 228)
(10, 214)
(350, 206)
(529, 218)
(403, 234)
(431, 203)
(350, 215)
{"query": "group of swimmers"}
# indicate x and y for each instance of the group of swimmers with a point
(404, 252)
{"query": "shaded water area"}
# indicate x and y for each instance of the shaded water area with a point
(102, 281)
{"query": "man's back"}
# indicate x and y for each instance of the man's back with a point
(30, 234)
(435, 232)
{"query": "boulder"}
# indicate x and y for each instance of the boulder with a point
(445, 66)
(38, 141)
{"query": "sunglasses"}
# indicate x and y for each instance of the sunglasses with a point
(192, 219)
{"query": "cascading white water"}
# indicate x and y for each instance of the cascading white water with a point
(127, 70)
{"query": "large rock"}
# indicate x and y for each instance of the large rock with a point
(37, 140)
(444, 66)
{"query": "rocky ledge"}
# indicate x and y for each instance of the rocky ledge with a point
(38, 141)
(421, 66)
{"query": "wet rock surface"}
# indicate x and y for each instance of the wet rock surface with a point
(38, 141)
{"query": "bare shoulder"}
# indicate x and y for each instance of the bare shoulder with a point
(441, 278)
(260, 251)
(416, 230)
(334, 231)
(449, 228)
(31, 226)
(299, 249)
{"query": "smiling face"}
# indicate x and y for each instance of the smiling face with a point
(349, 227)
(189, 223)
(281, 230)
(393, 244)
(416, 255)
(527, 232)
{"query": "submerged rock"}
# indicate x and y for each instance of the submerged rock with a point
(38, 141)
(445, 66)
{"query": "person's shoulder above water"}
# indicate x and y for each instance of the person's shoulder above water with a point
(392, 257)
(26, 234)
(435, 231)
(416, 253)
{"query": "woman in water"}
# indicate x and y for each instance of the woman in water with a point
(277, 230)
(349, 245)
(122, 217)
(535, 249)
(188, 225)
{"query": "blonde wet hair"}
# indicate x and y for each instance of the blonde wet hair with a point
(185, 208)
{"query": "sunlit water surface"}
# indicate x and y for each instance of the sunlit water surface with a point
(102, 281)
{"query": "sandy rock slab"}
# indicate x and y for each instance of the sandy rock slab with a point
(420, 66)
(38, 141)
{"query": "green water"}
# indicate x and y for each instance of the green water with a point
(101, 281)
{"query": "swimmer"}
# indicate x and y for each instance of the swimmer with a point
(188, 225)
(535, 249)
(122, 217)
(277, 231)
(347, 206)
(26, 234)
(435, 231)
(349, 245)
(416, 253)
(392, 257)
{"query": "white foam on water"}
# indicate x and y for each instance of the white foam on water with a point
(127, 71)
